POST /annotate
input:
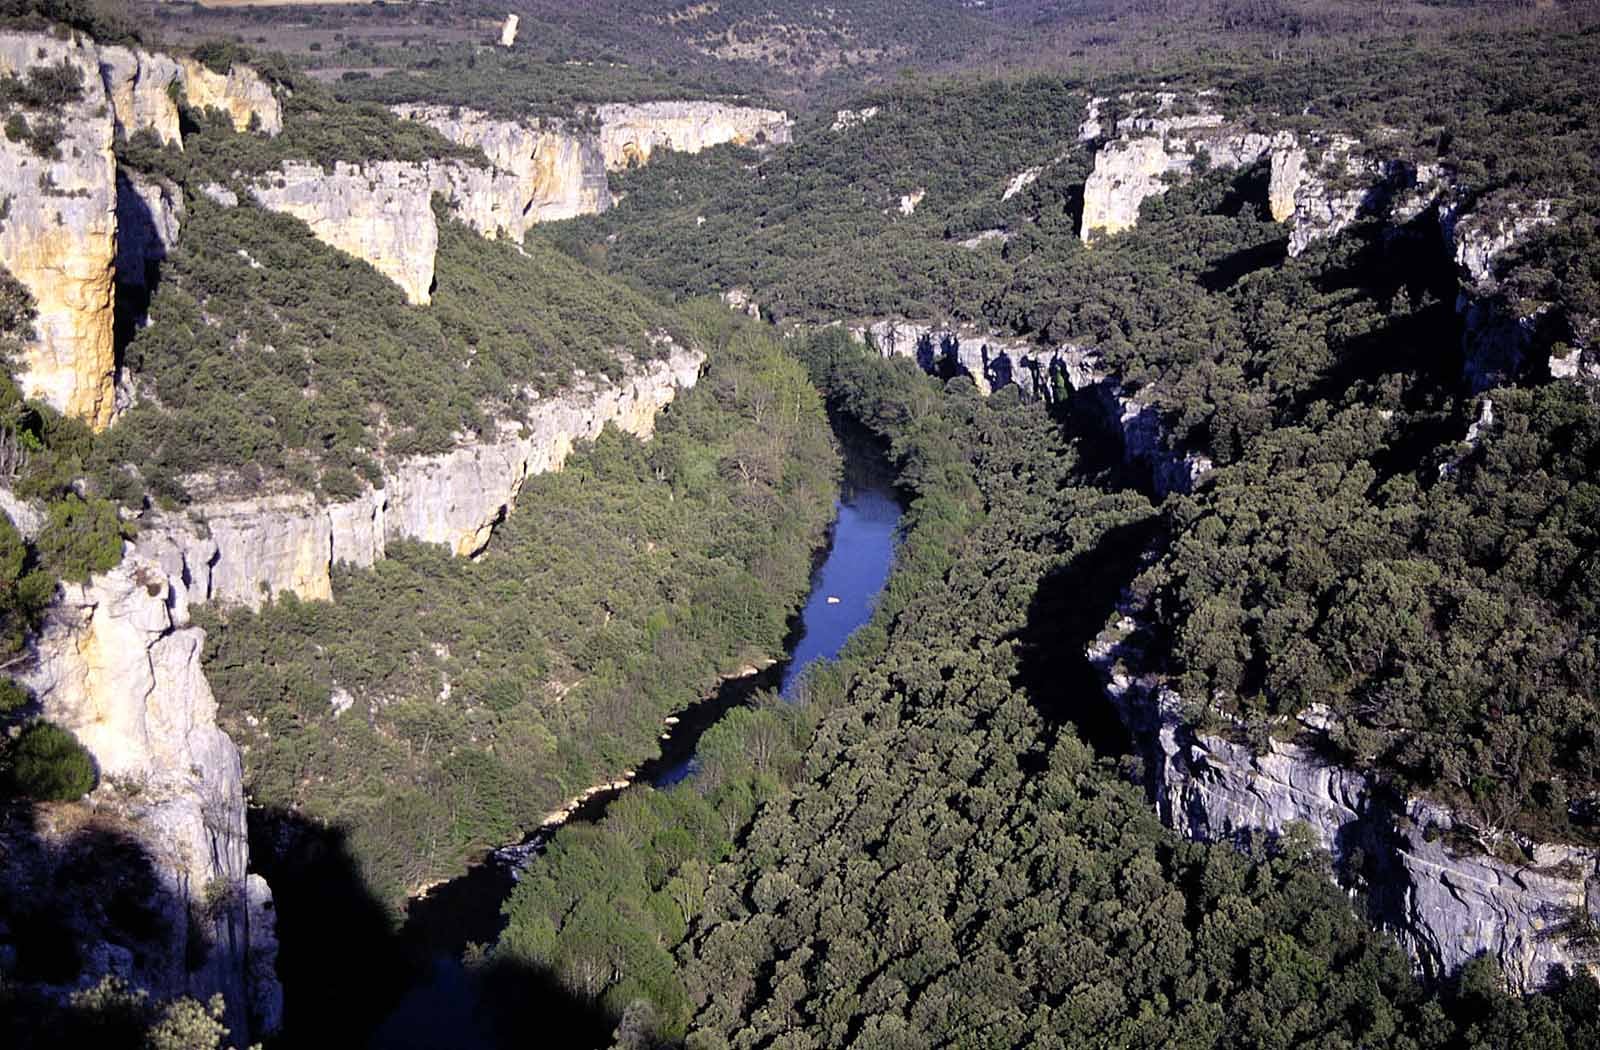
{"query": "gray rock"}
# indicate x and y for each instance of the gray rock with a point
(1446, 907)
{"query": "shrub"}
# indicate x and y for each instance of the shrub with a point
(47, 764)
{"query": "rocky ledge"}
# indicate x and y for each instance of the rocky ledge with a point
(244, 551)
(1446, 903)
(1044, 373)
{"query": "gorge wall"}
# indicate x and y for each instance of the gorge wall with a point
(117, 663)
(1045, 373)
(59, 234)
(1446, 905)
(540, 171)
(243, 551)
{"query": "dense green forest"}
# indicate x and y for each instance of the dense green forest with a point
(937, 857)
(1328, 384)
(486, 693)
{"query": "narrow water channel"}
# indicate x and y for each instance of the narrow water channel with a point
(444, 1008)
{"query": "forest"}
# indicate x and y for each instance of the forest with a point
(1329, 385)
(615, 593)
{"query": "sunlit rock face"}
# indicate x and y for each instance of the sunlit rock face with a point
(59, 234)
(143, 89)
(244, 551)
(1164, 136)
(242, 93)
(558, 171)
(118, 665)
(631, 132)
(381, 212)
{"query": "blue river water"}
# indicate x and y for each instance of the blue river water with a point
(446, 1008)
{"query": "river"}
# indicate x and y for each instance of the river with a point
(445, 1008)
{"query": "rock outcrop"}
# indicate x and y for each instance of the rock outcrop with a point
(142, 88)
(1496, 335)
(1446, 905)
(631, 132)
(1164, 136)
(243, 551)
(558, 172)
(845, 119)
(993, 362)
(508, 31)
(70, 223)
(242, 93)
(118, 664)
(380, 212)
(58, 237)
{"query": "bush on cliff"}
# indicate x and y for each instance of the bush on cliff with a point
(45, 763)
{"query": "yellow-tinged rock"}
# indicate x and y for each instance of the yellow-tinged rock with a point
(58, 237)
(241, 93)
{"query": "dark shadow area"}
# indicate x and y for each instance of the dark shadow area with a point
(141, 251)
(1069, 608)
(76, 905)
(353, 977)
(1248, 191)
(1225, 272)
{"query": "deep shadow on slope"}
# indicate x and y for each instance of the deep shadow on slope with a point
(346, 965)
(70, 906)
(1068, 609)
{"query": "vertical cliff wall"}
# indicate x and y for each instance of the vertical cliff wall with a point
(59, 229)
(630, 132)
(58, 236)
(993, 362)
(1446, 906)
(1164, 137)
(118, 664)
(142, 88)
(381, 212)
(559, 172)
(243, 551)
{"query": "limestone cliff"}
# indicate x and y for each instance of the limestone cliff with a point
(630, 132)
(1496, 334)
(142, 88)
(381, 212)
(1164, 136)
(58, 236)
(1445, 906)
(242, 551)
(993, 362)
(559, 173)
(242, 93)
(118, 665)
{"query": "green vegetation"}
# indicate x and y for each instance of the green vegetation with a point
(43, 93)
(488, 692)
(259, 365)
(945, 859)
(1328, 385)
(45, 763)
